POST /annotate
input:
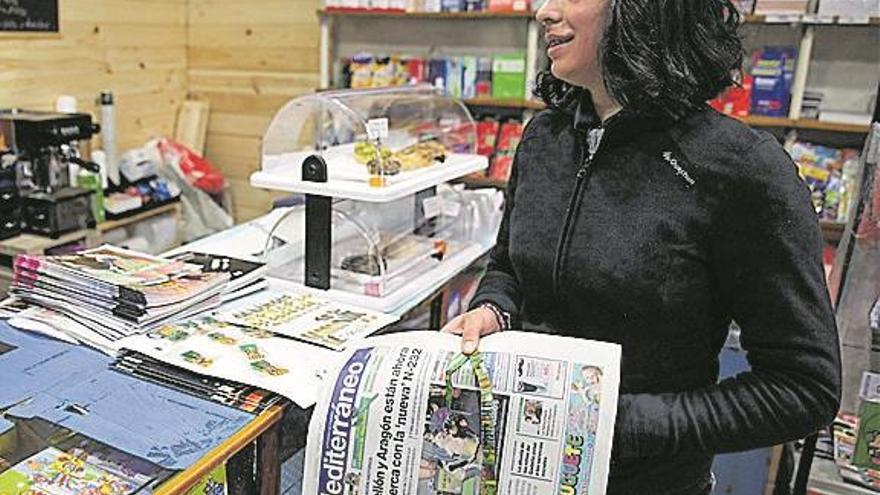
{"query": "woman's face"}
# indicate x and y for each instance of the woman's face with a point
(573, 32)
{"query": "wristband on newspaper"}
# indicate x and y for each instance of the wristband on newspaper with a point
(488, 415)
(501, 317)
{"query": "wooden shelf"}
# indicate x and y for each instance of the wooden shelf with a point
(804, 124)
(820, 125)
(491, 102)
(426, 15)
(761, 121)
(762, 19)
(37, 244)
(124, 222)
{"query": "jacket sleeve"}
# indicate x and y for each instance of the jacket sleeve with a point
(766, 257)
(500, 286)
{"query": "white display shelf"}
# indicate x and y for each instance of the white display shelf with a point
(456, 165)
(407, 296)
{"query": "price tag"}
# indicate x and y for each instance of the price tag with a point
(377, 129)
(783, 18)
(854, 19)
(432, 206)
(818, 19)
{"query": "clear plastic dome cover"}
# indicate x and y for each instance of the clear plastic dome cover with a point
(377, 247)
(424, 126)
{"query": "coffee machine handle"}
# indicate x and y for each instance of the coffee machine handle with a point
(90, 166)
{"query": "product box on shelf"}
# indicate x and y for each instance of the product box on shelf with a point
(772, 72)
(850, 10)
(487, 136)
(437, 73)
(454, 74)
(468, 77)
(508, 139)
(736, 100)
(781, 6)
(508, 5)
(830, 175)
(484, 77)
(509, 76)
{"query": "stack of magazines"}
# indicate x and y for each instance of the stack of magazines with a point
(246, 277)
(241, 396)
(101, 295)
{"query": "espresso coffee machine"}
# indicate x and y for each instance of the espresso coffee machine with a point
(40, 147)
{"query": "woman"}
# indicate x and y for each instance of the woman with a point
(638, 215)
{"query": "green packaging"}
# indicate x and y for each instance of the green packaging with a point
(509, 77)
(867, 453)
(92, 181)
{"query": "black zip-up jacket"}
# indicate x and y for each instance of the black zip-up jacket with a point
(656, 242)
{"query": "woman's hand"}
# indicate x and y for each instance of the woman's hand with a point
(471, 326)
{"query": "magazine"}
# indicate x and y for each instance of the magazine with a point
(55, 472)
(241, 272)
(309, 318)
(245, 355)
(244, 397)
(121, 275)
(408, 414)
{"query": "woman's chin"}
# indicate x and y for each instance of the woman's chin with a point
(559, 72)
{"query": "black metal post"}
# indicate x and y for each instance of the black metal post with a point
(318, 226)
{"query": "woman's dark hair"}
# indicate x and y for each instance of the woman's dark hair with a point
(662, 57)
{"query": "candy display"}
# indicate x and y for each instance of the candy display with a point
(830, 174)
(502, 76)
(429, 5)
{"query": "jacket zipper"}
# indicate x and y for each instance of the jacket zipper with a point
(582, 176)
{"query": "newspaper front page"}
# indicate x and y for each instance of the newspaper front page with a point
(407, 414)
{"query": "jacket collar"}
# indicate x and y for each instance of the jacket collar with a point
(628, 122)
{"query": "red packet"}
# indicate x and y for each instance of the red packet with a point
(487, 134)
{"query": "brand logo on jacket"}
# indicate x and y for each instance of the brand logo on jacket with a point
(681, 172)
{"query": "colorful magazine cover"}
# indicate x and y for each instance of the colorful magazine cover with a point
(55, 472)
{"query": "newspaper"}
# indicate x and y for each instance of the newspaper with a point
(408, 414)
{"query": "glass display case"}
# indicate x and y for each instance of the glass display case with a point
(379, 224)
(378, 144)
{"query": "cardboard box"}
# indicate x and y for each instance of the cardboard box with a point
(509, 77)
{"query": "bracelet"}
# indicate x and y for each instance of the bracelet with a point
(501, 317)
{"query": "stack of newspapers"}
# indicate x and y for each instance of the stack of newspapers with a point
(98, 296)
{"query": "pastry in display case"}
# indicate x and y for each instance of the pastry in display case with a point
(379, 224)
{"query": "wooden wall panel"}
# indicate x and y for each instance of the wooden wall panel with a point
(248, 59)
(135, 48)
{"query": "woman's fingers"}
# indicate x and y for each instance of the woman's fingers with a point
(471, 326)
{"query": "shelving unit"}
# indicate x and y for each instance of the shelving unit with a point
(516, 104)
(331, 20)
(804, 124)
(171, 208)
(809, 19)
(423, 15)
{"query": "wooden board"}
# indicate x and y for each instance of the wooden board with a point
(247, 62)
(192, 125)
(134, 48)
